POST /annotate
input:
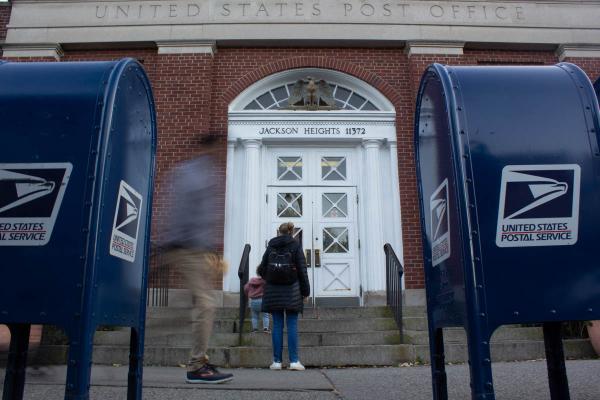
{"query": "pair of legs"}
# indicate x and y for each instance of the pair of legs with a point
(199, 272)
(256, 309)
(198, 275)
(291, 319)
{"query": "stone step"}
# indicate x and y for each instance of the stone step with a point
(183, 313)
(154, 327)
(324, 356)
(252, 357)
(414, 311)
(458, 335)
(414, 323)
(258, 339)
(513, 350)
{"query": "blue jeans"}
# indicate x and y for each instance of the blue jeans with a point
(255, 307)
(292, 334)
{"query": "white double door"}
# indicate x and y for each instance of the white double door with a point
(325, 220)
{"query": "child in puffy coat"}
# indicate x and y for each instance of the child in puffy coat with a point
(254, 289)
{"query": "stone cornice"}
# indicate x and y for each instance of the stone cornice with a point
(309, 22)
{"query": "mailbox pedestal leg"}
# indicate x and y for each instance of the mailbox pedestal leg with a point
(438, 366)
(79, 368)
(136, 361)
(480, 366)
(555, 359)
(14, 383)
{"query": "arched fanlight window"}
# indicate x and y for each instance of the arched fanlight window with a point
(311, 89)
(278, 99)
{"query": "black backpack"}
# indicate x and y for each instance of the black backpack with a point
(281, 269)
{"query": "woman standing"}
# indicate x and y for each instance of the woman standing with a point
(283, 267)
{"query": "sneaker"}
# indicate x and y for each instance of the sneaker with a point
(254, 330)
(208, 374)
(297, 366)
(275, 365)
(266, 330)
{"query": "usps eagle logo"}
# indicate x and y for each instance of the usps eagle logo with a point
(539, 205)
(30, 199)
(126, 223)
(18, 189)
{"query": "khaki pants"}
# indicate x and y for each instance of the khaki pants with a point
(198, 274)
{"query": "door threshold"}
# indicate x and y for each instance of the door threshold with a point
(335, 302)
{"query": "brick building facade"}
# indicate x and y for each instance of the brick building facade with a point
(196, 79)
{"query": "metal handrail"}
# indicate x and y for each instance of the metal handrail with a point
(394, 272)
(158, 279)
(244, 275)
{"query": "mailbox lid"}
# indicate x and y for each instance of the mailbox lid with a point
(533, 162)
(122, 244)
(50, 115)
(441, 217)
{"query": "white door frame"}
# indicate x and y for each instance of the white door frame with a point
(372, 135)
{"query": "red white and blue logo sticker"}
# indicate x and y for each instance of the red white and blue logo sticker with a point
(539, 205)
(123, 242)
(30, 198)
(440, 224)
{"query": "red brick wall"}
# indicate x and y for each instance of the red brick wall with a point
(193, 92)
(385, 69)
(591, 66)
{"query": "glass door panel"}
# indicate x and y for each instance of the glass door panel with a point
(294, 204)
(335, 241)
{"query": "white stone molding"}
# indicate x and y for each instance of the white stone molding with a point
(577, 51)
(374, 228)
(253, 189)
(186, 47)
(52, 50)
(437, 48)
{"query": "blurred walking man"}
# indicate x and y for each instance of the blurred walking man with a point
(190, 238)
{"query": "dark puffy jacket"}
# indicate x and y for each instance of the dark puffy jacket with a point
(285, 297)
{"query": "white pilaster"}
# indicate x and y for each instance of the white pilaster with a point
(375, 260)
(253, 204)
(228, 240)
(397, 216)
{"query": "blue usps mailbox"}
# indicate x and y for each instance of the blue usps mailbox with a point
(76, 177)
(508, 168)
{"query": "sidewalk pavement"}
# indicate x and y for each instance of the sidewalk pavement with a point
(512, 381)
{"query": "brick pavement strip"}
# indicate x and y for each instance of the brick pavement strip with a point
(512, 381)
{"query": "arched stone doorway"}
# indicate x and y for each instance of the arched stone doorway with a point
(316, 147)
